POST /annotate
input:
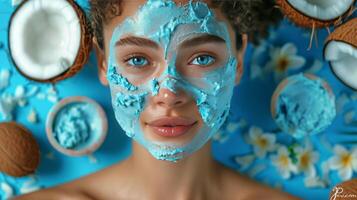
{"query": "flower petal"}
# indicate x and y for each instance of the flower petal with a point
(339, 150)
(345, 173)
(296, 62)
(289, 49)
(334, 163)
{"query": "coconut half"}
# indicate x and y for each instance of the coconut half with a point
(341, 52)
(49, 40)
(316, 13)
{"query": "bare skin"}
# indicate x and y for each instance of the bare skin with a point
(141, 176)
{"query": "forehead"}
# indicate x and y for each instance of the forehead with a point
(130, 7)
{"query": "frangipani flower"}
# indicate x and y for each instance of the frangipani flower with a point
(261, 142)
(344, 161)
(283, 59)
(284, 163)
(306, 158)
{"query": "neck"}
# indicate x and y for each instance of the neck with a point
(186, 178)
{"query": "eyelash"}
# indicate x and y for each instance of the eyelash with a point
(128, 58)
(201, 55)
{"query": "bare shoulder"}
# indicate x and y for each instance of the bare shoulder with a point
(90, 187)
(55, 193)
(239, 186)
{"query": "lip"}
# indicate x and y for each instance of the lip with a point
(171, 126)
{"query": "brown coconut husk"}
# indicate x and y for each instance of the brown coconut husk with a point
(345, 191)
(83, 52)
(346, 33)
(19, 151)
(305, 21)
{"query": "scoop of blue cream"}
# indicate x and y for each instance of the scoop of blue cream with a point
(302, 105)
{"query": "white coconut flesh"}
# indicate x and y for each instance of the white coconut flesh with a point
(324, 10)
(343, 60)
(44, 38)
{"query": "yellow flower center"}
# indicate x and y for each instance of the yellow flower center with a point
(284, 161)
(346, 160)
(262, 142)
(305, 160)
(283, 64)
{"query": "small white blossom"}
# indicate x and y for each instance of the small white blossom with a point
(283, 59)
(232, 127)
(306, 158)
(257, 169)
(220, 136)
(314, 182)
(244, 161)
(262, 142)
(344, 161)
(284, 163)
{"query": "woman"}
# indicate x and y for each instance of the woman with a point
(171, 67)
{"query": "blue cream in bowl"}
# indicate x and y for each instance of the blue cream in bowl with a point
(76, 126)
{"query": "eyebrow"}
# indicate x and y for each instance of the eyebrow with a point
(195, 41)
(137, 41)
(202, 39)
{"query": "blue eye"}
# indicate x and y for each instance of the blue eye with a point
(203, 60)
(137, 61)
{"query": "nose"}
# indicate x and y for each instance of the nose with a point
(168, 99)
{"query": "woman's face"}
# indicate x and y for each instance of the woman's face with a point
(171, 67)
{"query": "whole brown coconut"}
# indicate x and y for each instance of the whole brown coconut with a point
(346, 35)
(19, 151)
(82, 54)
(345, 191)
(303, 20)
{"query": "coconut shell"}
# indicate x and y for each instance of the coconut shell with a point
(346, 33)
(19, 151)
(83, 52)
(303, 20)
(345, 191)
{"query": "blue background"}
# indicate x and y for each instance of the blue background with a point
(251, 102)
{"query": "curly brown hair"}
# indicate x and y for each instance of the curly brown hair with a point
(252, 17)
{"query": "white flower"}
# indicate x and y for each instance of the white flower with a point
(244, 161)
(283, 162)
(344, 161)
(314, 182)
(283, 59)
(306, 158)
(261, 142)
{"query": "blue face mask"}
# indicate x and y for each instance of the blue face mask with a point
(169, 25)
